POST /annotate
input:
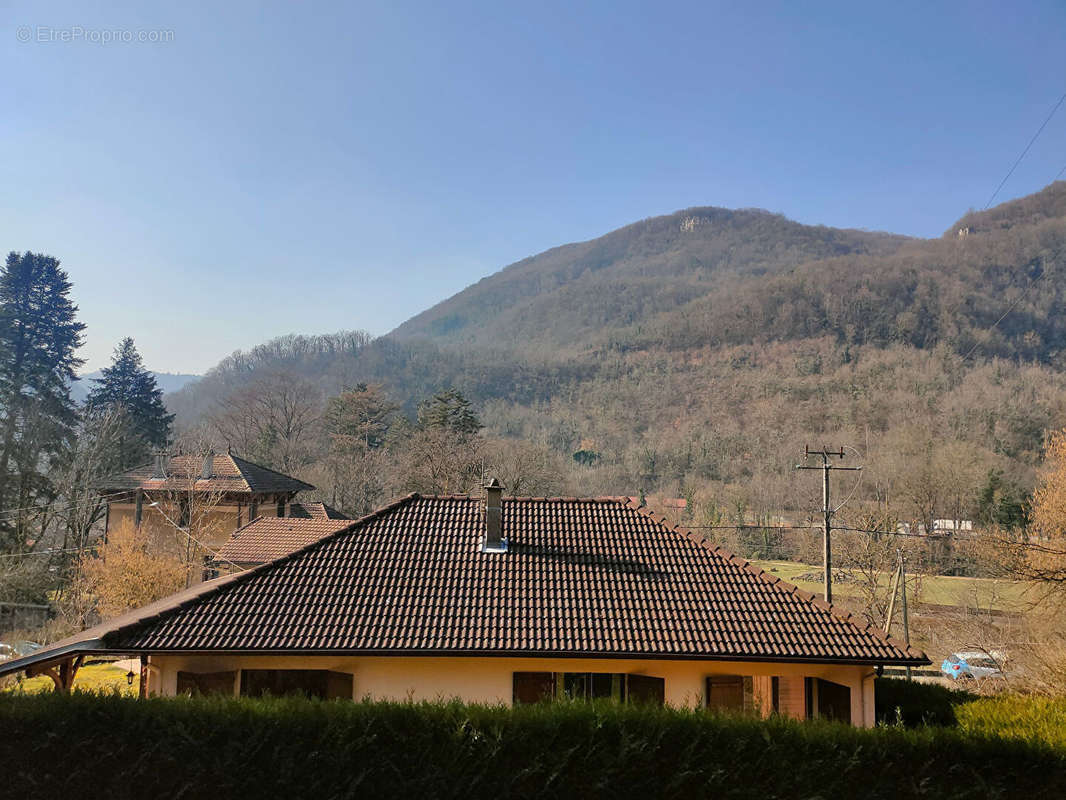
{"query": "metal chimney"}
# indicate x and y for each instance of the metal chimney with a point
(208, 469)
(494, 541)
(160, 471)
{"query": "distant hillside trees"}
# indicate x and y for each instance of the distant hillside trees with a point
(357, 423)
(272, 421)
(128, 386)
(39, 338)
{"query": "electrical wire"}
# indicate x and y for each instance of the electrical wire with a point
(1026, 150)
(185, 531)
(14, 512)
(804, 528)
(1010, 172)
(858, 481)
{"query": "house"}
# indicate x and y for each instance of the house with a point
(266, 539)
(503, 600)
(215, 494)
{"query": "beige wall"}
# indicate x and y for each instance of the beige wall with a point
(216, 524)
(489, 680)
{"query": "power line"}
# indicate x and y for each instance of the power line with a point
(805, 528)
(1029, 288)
(14, 512)
(1026, 150)
(48, 552)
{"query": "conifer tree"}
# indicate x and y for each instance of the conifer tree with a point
(450, 411)
(128, 385)
(39, 336)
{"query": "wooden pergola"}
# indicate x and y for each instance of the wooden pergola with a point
(64, 670)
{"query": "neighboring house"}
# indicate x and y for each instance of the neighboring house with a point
(503, 600)
(941, 527)
(265, 539)
(215, 494)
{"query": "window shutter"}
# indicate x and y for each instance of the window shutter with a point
(339, 685)
(727, 692)
(645, 689)
(533, 687)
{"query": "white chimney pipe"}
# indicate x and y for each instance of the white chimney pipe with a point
(494, 541)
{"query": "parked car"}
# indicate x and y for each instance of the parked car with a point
(10, 650)
(973, 665)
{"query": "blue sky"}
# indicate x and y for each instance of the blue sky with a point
(315, 167)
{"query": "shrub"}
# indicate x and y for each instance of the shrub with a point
(912, 703)
(212, 747)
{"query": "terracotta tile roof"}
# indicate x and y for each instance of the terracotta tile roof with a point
(229, 473)
(268, 538)
(594, 577)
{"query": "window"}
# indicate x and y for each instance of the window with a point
(730, 693)
(775, 694)
(827, 700)
(210, 571)
(834, 701)
(184, 512)
(310, 682)
(196, 683)
(535, 687)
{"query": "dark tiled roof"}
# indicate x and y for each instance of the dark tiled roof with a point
(315, 511)
(594, 577)
(229, 473)
(268, 538)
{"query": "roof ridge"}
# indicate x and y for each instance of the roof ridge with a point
(781, 585)
(519, 498)
(241, 577)
(235, 458)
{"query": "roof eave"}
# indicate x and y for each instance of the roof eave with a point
(561, 654)
(46, 657)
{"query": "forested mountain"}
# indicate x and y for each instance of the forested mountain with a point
(695, 354)
(577, 294)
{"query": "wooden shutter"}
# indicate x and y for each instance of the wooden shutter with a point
(206, 682)
(339, 685)
(533, 687)
(645, 689)
(726, 692)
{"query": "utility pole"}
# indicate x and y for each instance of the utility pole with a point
(903, 587)
(827, 510)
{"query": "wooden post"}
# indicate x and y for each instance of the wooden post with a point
(906, 622)
(64, 677)
(142, 689)
(895, 591)
(138, 508)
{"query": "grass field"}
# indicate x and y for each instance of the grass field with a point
(91, 677)
(936, 589)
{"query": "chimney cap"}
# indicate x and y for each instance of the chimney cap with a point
(493, 483)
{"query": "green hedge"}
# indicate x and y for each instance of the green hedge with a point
(913, 704)
(114, 747)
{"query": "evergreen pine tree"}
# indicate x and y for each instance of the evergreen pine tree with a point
(39, 335)
(451, 411)
(129, 386)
